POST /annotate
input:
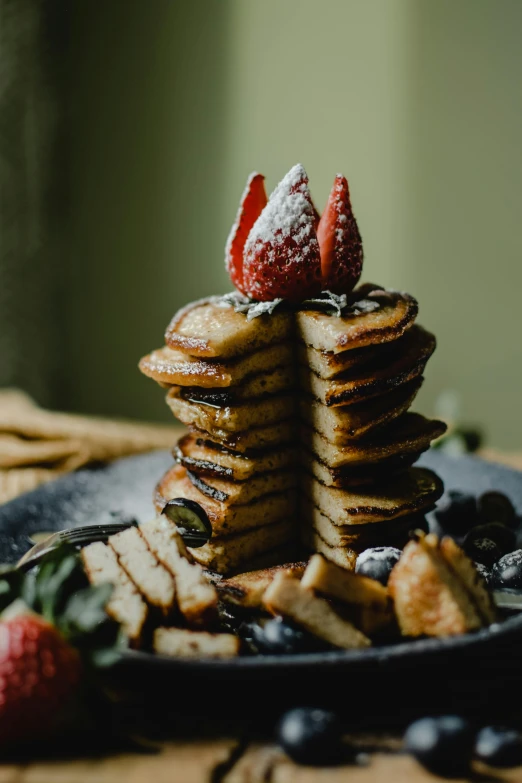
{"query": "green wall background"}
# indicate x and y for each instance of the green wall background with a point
(418, 102)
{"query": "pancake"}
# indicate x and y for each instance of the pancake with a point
(237, 493)
(226, 520)
(247, 589)
(357, 475)
(208, 459)
(259, 385)
(346, 586)
(417, 489)
(359, 537)
(327, 364)
(418, 347)
(342, 424)
(395, 314)
(411, 433)
(174, 368)
(341, 556)
(235, 418)
(226, 554)
(206, 329)
(278, 434)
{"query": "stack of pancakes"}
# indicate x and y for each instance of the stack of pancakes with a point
(230, 381)
(358, 374)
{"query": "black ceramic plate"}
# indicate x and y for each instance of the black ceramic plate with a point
(468, 673)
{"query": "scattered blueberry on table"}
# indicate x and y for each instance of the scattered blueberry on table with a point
(377, 562)
(456, 513)
(311, 736)
(496, 507)
(443, 745)
(507, 572)
(279, 637)
(499, 746)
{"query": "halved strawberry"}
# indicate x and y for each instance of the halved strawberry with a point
(252, 203)
(281, 258)
(340, 241)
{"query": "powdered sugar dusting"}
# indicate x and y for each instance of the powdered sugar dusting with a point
(289, 212)
(388, 553)
(235, 226)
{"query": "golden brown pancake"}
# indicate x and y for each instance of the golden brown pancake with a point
(233, 418)
(174, 368)
(409, 434)
(373, 382)
(396, 313)
(225, 519)
(208, 459)
(280, 434)
(357, 475)
(254, 386)
(204, 328)
(237, 493)
(327, 364)
(342, 556)
(416, 490)
(345, 423)
(247, 589)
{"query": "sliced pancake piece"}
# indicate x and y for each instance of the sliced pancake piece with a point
(286, 597)
(359, 537)
(345, 557)
(237, 493)
(395, 313)
(327, 364)
(287, 552)
(174, 368)
(256, 438)
(208, 459)
(196, 597)
(180, 643)
(418, 347)
(125, 605)
(234, 418)
(411, 433)
(207, 328)
(153, 581)
(357, 475)
(247, 589)
(429, 598)
(465, 569)
(225, 555)
(417, 489)
(226, 520)
(342, 424)
(346, 586)
(260, 385)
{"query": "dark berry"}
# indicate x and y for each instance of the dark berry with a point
(484, 551)
(487, 543)
(377, 562)
(499, 747)
(279, 637)
(496, 507)
(191, 519)
(311, 736)
(507, 572)
(457, 512)
(443, 745)
(484, 572)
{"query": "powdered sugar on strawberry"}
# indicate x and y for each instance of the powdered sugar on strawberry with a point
(340, 241)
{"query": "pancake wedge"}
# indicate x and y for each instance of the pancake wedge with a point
(207, 328)
(225, 555)
(417, 489)
(344, 557)
(208, 459)
(237, 493)
(226, 520)
(180, 643)
(376, 381)
(396, 312)
(346, 586)
(247, 589)
(409, 434)
(234, 418)
(174, 368)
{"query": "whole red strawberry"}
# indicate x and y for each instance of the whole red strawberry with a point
(252, 203)
(281, 256)
(340, 241)
(39, 672)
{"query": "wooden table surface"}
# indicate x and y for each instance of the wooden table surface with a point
(231, 761)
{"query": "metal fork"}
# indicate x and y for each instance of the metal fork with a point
(80, 536)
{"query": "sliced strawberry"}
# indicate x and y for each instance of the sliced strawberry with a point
(281, 258)
(252, 203)
(340, 241)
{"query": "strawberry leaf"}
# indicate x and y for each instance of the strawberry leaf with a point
(85, 609)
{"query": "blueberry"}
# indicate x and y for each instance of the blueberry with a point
(496, 507)
(484, 551)
(377, 562)
(191, 519)
(507, 572)
(311, 736)
(279, 637)
(487, 543)
(484, 572)
(443, 745)
(499, 747)
(457, 512)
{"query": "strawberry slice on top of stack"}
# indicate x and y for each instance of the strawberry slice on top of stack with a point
(298, 380)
